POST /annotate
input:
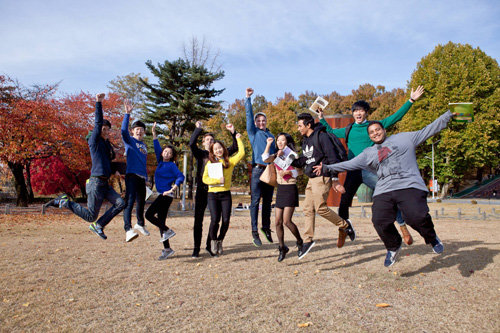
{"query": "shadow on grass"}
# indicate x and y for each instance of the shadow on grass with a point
(468, 256)
(468, 261)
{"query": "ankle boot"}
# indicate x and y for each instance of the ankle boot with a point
(406, 235)
(283, 251)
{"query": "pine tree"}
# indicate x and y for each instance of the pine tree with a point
(182, 95)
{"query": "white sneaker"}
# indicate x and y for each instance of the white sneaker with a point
(167, 235)
(131, 235)
(142, 229)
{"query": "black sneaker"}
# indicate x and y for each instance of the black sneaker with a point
(256, 239)
(306, 247)
(283, 251)
(97, 229)
(299, 248)
(267, 234)
(58, 202)
(196, 253)
(350, 231)
(210, 251)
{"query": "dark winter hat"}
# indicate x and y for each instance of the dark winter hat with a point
(138, 123)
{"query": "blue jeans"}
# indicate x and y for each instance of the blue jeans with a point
(260, 190)
(135, 192)
(352, 182)
(98, 190)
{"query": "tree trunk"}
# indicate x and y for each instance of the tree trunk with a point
(19, 183)
(31, 196)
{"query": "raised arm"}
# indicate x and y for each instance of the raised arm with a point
(398, 115)
(98, 120)
(251, 128)
(193, 141)
(241, 151)
(126, 118)
(339, 132)
(234, 147)
(433, 128)
(265, 155)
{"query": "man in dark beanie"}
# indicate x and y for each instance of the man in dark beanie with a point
(98, 188)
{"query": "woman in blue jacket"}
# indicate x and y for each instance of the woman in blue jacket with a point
(166, 174)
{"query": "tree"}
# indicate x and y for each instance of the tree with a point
(182, 96)
(130, 87)
(458, 73)
(27, 120)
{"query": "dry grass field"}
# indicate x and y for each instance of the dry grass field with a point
(55, 275)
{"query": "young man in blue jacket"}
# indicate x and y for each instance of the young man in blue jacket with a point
(98, 188)
(136, 176)
(258, 134)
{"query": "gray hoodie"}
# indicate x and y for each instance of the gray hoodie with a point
(394, 160)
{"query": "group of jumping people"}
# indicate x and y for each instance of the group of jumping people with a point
(386, 164)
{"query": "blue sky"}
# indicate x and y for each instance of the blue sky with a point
(272, 46)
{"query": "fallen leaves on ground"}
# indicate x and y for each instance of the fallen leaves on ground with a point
(382, 305)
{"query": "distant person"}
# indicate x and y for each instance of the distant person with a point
(97, 187)
(166, 174)
(136, 176)
(258, 135)
(317, 148)
(219, 191)
(399, 184)
(287, 195)
(201, 198)
(357, 140)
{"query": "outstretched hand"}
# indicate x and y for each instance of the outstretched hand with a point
(99, 97)
(128, 106)
(249, 92)
(318, 169)
(154, 130)
(414, 95)
(198, 124)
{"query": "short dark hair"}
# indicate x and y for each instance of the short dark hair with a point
(138, 123)
(373, 122)
(106, 122)
(361, 105)
(306, 118)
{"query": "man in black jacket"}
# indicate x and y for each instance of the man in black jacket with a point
(317, 147)
(200, 200)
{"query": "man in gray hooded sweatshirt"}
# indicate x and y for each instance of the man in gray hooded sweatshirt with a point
(399, 184)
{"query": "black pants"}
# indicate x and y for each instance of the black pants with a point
(200, 204)
(352, 182)
(413, 205)
(157, 214)
(219, 204)
(135, 192)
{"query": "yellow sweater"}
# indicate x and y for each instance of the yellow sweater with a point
(227, 172)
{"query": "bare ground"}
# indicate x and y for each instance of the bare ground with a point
(58, 276)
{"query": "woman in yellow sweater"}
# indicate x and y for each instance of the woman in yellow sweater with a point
(219, 190)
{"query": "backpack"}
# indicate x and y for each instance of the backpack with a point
(338, 146)
(347, 130)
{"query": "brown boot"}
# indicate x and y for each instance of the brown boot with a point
(342, 236)
(406, 235)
